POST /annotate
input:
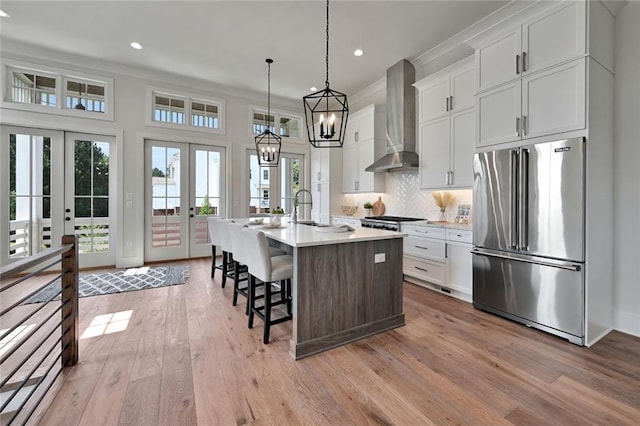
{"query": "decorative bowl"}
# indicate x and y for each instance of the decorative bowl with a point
(349, 210)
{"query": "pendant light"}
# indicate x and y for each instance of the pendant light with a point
(268, 143)
(326, 112)
(79, 104)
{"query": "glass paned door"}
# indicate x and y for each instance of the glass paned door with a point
(31, 192)
(271, 187)
(90, 202)
(184, 183)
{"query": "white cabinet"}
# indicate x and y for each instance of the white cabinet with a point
(548, 102)
(447, 126)
(363, 144)
(439, 258)
(346, 220)
(556, 36)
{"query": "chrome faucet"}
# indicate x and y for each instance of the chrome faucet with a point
(297, 202)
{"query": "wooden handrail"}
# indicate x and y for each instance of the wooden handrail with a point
(22, 265)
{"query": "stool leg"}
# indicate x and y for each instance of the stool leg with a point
(252, 298)
(236, 281)
(267, 312)
(213, 261)
(225, 263)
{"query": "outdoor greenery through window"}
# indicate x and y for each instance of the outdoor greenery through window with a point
(32, 88)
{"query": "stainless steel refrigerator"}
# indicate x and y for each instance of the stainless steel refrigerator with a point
(529, 235)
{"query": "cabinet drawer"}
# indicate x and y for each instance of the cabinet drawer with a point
(461, 235)
(423, 247)
(423, 231)
(424, 270)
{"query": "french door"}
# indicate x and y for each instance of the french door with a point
(184, 184)
(51, 187)
(271, 187)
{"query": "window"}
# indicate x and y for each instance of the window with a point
(184, 111)
(32, 88)
(44, 89)
(265, 194)
(288, 126)
(205, 115)
(90, 95)
(168, 110)
(265, 174)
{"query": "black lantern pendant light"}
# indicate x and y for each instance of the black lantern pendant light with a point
(79, 104)
(326, 112)
(268, 143)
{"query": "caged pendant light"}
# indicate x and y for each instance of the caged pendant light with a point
(268, 143)
(326, 112)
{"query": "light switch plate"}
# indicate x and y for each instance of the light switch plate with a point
(380, 257)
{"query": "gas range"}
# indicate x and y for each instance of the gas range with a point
(390, 223)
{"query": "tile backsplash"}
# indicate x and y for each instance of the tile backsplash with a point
(403, 197)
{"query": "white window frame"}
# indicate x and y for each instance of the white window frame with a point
(67, 79)
(188, 99)
(61, 75)
(277, 114)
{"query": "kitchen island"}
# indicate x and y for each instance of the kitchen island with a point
(346, 285)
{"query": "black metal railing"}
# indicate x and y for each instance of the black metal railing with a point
(38, 328)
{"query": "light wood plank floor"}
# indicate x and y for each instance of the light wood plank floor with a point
(187, 358)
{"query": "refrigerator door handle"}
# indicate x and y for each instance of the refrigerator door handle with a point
(513, 198)
(523, 197)
(551, 263)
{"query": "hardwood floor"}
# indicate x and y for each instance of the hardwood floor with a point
(187, 358)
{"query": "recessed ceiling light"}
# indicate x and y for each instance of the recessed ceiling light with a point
(358, 52)
(313, 88)
(4, 14)
(136, 45)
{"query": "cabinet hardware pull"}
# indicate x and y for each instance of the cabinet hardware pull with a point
(421, 269)
(525, 127)
(517, 64)
(518, 126)
(318, 175)
(450, 103)
(446, 104)
(355, 136)
(421, 231)
(524, 61)
(451, 178)
(423, 248)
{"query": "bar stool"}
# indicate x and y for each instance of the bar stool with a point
(269, 270)
(215, 241)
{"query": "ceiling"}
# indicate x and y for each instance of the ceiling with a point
(227, 41)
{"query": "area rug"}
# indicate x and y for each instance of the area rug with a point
(120, 280)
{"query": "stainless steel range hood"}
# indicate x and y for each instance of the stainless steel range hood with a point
(401, 121)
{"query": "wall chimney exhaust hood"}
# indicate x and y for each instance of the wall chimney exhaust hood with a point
(401, 121)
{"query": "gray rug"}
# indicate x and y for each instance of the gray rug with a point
(119, 281)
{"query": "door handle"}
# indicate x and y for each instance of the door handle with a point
(513, 195)
(517, 64)
(67, 218)
(421, 269)
(450, 177)
(450, 103)
(446, 104)
(423, 248)
(67, 210)
(525, 126)
(524, 61)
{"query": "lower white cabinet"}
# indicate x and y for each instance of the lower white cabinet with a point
(439, 258)
(346, 220)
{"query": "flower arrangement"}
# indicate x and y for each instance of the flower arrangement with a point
(442, 199)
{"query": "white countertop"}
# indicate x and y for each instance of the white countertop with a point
(297, 235)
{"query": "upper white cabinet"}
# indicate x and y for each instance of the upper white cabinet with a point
(364, 143)
(552, 38)
(446, 127)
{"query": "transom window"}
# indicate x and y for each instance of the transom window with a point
(181, 110)
(32, 88)
(49, 90)
(288, 126)
(89, 95)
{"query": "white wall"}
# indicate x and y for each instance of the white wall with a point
(130, 128)
(627, 171)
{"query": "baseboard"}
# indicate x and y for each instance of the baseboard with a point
(627, 322)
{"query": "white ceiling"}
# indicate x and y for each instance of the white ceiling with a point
(228, 41)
